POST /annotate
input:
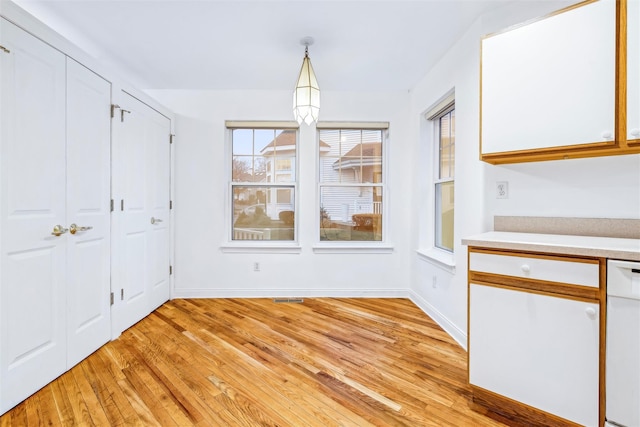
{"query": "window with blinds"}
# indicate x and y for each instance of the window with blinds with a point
(351, 181)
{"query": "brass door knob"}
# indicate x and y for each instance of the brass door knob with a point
(73, 228)
(59, 230)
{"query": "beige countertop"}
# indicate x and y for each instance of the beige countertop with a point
(603, 247)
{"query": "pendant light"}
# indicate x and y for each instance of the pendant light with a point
(306, 95)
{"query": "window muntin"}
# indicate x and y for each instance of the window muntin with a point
(263, 184)
(351, 182)
(444, 179)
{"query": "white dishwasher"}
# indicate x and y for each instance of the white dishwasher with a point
(623, 344)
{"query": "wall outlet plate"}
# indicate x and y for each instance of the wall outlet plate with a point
(502, 190)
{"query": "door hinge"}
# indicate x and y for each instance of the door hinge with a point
(4, 49)
(122, 294)
(171, 138)
(121, 204)
(170, 204)
(111, 205)
(170, 270)
(111, 298)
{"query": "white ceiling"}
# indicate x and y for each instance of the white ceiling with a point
(240, 44)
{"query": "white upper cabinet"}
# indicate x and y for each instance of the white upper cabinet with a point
(633, 70)
(550, 84)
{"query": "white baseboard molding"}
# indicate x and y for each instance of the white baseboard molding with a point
(449, 327)
(289, 293)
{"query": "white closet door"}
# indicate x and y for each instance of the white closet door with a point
(142, 178)
(33, 328)
(88, 196)
(158, 196)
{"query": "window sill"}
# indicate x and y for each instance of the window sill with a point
(352, 248)
(443, 259)
(254, 248)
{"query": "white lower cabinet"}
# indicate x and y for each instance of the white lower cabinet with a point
(536, 349)
(535, 345)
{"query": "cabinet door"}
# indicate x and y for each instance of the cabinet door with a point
(88, 196)
(550, 83)
(536, 349)
(633, 70)
(32, 201)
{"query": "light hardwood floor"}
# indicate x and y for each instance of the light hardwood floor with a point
(253, 362)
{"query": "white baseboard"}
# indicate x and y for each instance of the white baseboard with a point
(456, 333)
(285, 293)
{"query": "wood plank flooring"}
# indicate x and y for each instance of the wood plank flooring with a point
(253, 362)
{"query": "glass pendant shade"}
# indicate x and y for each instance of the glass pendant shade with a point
(306, 96)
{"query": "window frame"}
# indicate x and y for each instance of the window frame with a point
(355, 246)
(428, 162)
(253, 246)
(438, 180)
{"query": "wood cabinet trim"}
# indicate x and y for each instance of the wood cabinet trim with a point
(514, 410)
(621, 74)
(554, 289)
(603, 341)
(617, 149)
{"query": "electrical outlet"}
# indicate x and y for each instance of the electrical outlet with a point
(502, 190)
(256, 266)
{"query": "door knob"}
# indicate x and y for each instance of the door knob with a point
(155, 220)
(73, 228)
(59, 230)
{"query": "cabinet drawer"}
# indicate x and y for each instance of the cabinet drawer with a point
(578, 272)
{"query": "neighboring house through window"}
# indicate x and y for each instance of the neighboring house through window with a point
(351, 181)
(263, 181)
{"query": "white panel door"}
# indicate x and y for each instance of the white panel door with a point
(143, 151)
(33, 328)
(88, 196)
(158, 197)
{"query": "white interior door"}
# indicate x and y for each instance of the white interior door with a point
(88, 196)
(142, 205)
(32, 197)
(158, 198)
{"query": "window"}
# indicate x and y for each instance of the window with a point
(263, 183)
(351, 183)
(444, 179)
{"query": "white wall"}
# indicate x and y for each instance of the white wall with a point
(605, 187)
(597, 187)
(202, 269)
